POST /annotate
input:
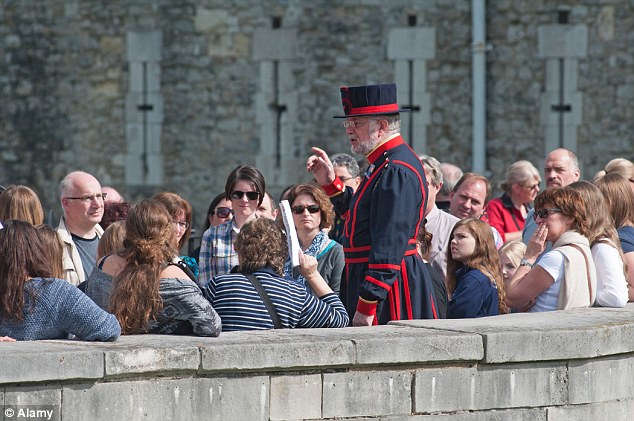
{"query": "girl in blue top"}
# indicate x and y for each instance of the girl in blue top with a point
(474, 279)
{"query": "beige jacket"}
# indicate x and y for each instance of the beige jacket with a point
(576, 290)
(71, 263)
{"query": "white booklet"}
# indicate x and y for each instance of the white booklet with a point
(291, 233)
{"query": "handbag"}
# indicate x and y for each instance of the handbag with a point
(266, 299)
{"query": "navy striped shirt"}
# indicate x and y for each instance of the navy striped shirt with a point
(241, 308)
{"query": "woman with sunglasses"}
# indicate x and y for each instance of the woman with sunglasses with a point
(312, 212)
(245, 188)
(507, 214)
(565, 277)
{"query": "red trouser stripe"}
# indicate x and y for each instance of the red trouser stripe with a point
(408, 301)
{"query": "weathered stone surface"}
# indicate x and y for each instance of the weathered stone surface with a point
(547, 336)
(180, 399)
(601, 380)
(536, 414)
(34, 398)
(419, 370)
(392, 344)
(22, 362)
(366, 393)
(296, 397)
(283, 349)
(618, 410)
(450, 389)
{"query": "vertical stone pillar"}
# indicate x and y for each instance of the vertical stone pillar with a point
(144, 109)
(410, 48)
(276, 107)
(561, 46)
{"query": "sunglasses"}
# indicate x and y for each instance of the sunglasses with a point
(222, 212)
(298, 210)
(543, 213)
(251, 195)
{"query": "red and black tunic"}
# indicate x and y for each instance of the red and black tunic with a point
(385, 276)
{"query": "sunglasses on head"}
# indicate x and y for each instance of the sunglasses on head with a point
(222, 212)
(251, 195)
(543, 213)
(298, 210)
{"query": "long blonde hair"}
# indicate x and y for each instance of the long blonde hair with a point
(485, 258)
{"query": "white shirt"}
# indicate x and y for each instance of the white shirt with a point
(611, 282)
(553, 263)
(439, 224)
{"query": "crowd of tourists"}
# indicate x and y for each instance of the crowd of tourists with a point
(394, 236)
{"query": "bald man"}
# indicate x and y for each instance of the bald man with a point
(561, 168)
(82, 201)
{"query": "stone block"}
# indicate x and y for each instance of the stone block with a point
(600, 380)
(296, 397)
(275, 350)
(534, 414)
(211, 20)
(136, 99)
(144, 45)
(396, 345)
(489, 387)
(215, 399)
(556, 41)
(551, 117)
(411, 43)
(570, 75)
(146, 77)
(617, 410)
(44, 400)
(367, 393)
(556, 335)
(150, 359)
(274, 44)
(23, 362)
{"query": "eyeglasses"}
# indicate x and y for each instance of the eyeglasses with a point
(544, 213)
(251, 195)
(531, 187)
(223, 212)
(183, 225)
(298, 210)
(354, 123)
(90, 197)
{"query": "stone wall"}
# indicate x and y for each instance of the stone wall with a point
(65, 75)
(567, 365)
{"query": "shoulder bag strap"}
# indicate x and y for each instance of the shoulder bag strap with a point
(183, 266)
(587, 268)
(265, 298)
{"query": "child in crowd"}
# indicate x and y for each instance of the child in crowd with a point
(474, 277)
(510, 255)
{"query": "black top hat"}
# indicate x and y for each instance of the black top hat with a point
(369, 100)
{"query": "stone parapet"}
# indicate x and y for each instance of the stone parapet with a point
(564, 365)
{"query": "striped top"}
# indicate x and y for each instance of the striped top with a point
(241, 308)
